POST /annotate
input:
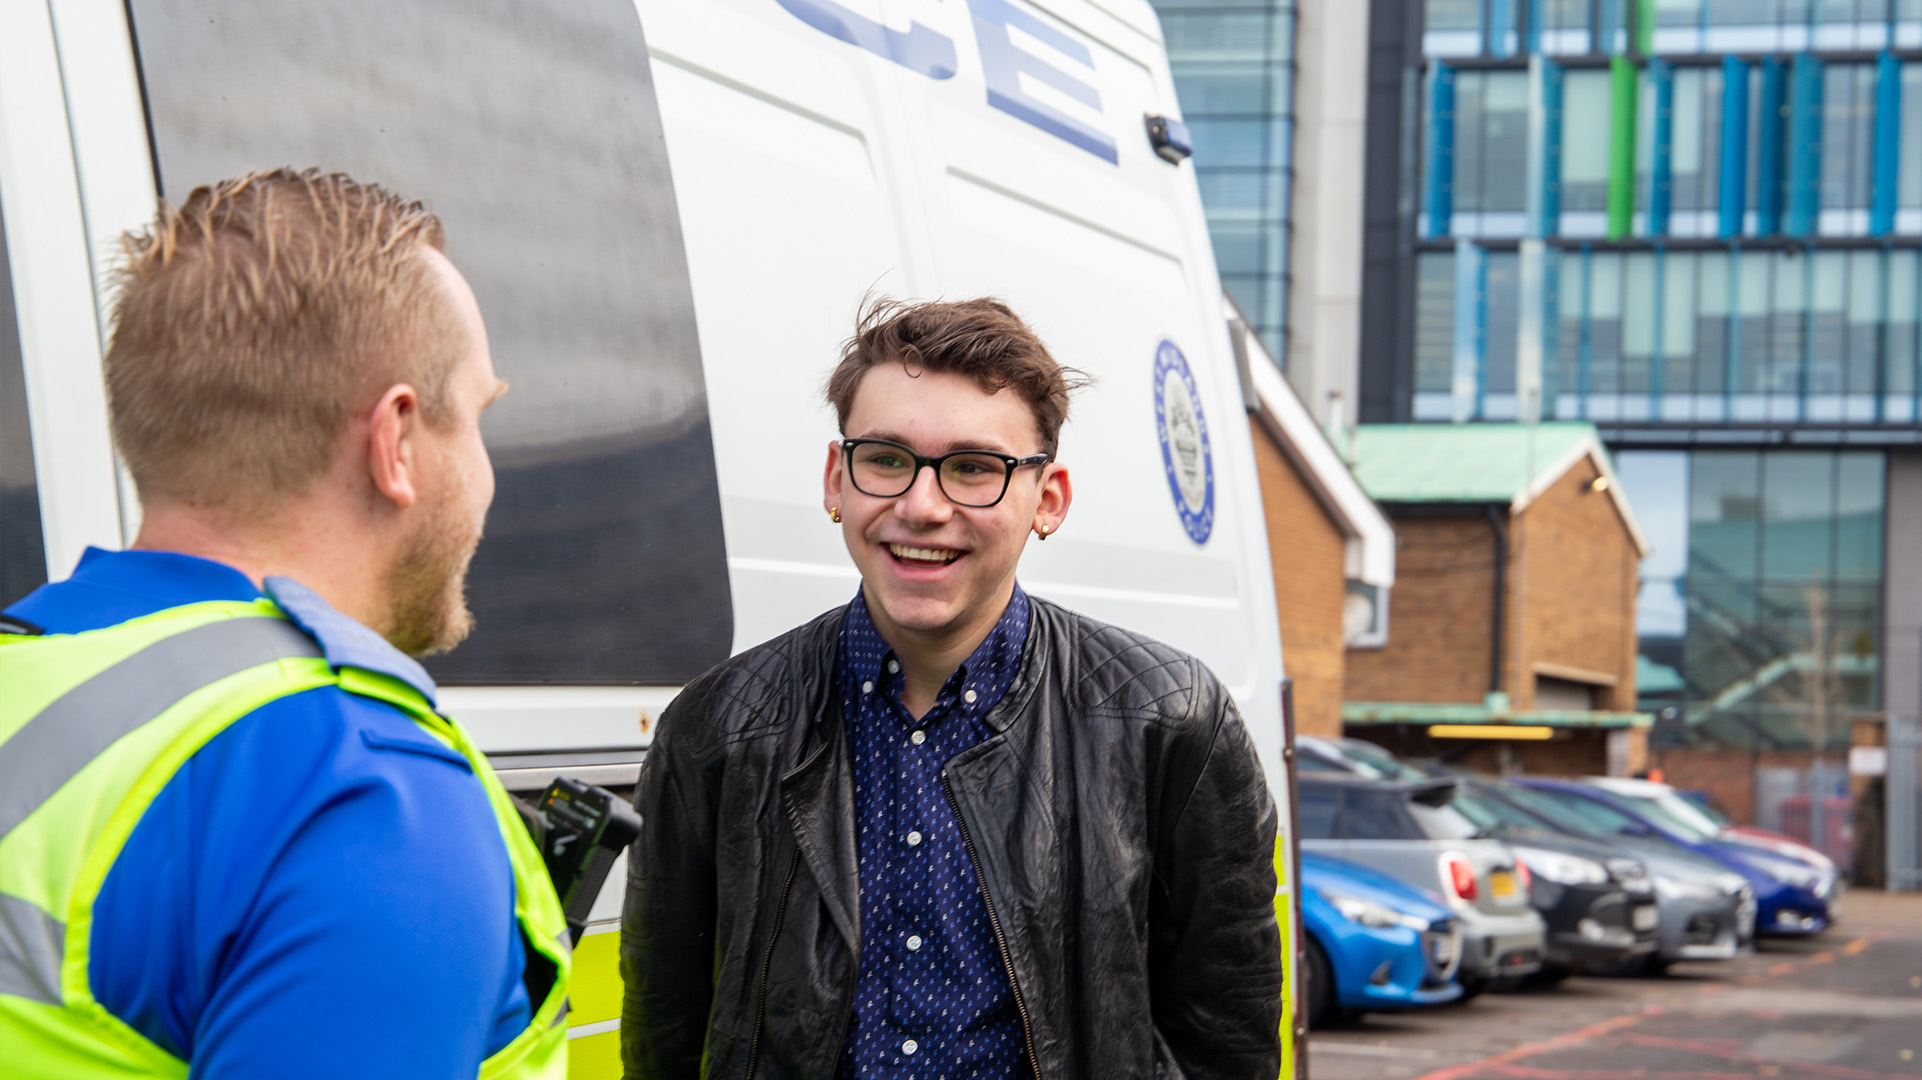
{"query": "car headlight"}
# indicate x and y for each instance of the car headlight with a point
(1631, 875)
(1704, 892)
(1369, 913)
(1564, 869)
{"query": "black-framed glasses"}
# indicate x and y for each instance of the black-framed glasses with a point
(971, 478)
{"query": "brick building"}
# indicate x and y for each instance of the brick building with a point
(1332, 550)
(1511, 630)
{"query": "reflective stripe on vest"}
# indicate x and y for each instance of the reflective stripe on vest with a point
(92, 726)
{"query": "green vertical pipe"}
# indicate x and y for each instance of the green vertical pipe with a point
(1624, 101)
(1645, 27)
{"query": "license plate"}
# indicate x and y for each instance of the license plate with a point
(1645, 917)
(1445, 949)
(1502, 884)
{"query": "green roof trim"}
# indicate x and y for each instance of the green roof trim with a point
(1423, 714)
(1485, 463)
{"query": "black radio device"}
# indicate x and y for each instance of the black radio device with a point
(580, 829)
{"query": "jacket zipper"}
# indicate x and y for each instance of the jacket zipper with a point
(994, 921)
(767, 962)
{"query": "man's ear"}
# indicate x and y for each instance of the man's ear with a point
(1056, 493)
(832, 478)
(393, 453)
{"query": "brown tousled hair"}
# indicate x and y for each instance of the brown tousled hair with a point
(982, 338)
(254, 320)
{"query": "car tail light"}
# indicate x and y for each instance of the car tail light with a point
(1458, 876)
(1526, 875)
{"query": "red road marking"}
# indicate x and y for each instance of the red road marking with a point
(1709, 1048)
(1559, 1042)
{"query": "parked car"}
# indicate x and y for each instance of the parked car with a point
(1781, 843)
(1707, 910)
(1792, 897)
(1374, 944)
(1600, 905)
(1408, 830)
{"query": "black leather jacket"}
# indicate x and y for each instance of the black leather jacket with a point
(1118, 819)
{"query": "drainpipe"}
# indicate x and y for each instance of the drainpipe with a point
(1500, 529)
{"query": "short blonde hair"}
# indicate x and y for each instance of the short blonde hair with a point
(257, 318)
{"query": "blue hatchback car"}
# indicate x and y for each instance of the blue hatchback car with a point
(1792, 897)
(1374, 944)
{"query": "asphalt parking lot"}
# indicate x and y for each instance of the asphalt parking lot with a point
(1846, 1005)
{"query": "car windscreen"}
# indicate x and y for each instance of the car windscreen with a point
(1378, 814)
(23, 552)
(1486, 815)
(1443, 822)
(532, 130)
(1529, 803)
(1600, 816)
(1674, 813)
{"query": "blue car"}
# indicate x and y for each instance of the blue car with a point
(1374, 944)
(1792, 896)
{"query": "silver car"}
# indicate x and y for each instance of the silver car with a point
(1408, 830)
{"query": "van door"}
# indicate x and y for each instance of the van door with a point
(532, 130)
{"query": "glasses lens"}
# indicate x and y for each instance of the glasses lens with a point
(974, 479)
(882, 469)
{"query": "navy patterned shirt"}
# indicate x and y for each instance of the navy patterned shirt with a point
(934, 1000)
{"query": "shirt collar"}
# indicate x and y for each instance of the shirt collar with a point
(999, 652)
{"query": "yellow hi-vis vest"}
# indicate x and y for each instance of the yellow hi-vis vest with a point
(92, 726)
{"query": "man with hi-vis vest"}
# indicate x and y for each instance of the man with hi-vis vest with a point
(236, 837)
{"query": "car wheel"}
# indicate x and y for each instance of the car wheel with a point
(1472, 985)
(1321, 988)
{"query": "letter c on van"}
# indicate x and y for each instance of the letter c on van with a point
(919, 49)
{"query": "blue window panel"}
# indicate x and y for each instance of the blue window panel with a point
(1888, 128)
(1734, 146)
(1804, 146)
(1661, 76)
(1501, 28)
(1768, 160)
(1441, 153)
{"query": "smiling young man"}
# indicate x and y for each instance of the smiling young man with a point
(950, 830)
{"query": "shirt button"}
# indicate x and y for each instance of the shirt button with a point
(914, 943)
(918, 738)
(894, 667)
(910, 1047)
(867, 688)
(914, 839)
(968, 697)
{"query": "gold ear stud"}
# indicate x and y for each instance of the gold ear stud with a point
(1043, 530)
(834, 514)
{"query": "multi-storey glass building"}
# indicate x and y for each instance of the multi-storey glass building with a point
(1233, 64)
(1698, 225)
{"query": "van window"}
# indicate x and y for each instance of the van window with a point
(532, 130)
(23, 554)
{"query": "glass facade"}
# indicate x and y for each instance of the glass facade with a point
(1717, 206)
(1234, 69)
(1760, 612)
(1677, 335)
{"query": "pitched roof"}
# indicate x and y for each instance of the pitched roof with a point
(1479, 463)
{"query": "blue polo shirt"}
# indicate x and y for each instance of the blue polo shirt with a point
(321, 890)
(932, 998)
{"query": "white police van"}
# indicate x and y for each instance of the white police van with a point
(670, 211)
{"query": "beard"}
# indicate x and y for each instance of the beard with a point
(427, 584)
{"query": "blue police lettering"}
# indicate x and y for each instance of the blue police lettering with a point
(928, 52)
(919, 49)
(1004, 64)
